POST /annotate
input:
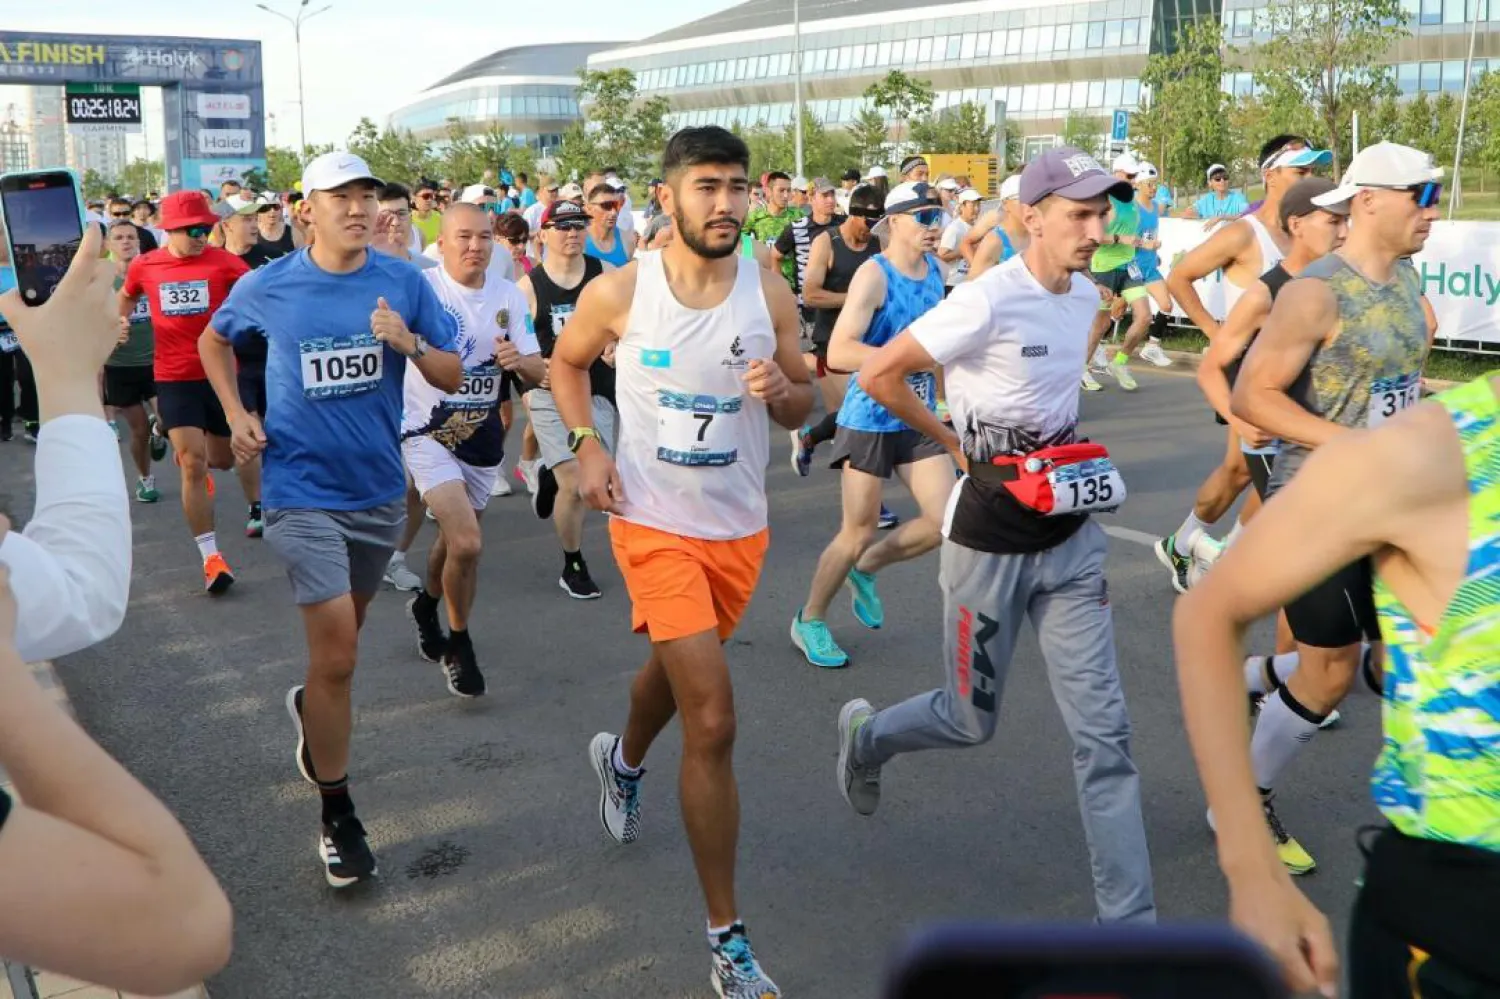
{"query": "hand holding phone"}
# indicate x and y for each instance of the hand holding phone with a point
(44, 221)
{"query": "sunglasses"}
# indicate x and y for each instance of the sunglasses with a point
(1218, 177)
(516, 241)
(425, 195)
(1426, 195)
(609, 206)
(926, 217)
(868, 214)
(571, 225)
(199, 231)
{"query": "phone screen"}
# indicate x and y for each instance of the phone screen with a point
(44, 227)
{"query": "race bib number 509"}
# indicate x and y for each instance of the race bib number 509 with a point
(334, 367)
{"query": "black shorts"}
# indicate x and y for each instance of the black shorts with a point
(1117, 280)
(1338, 612)
(128, 386)
(191, 404)
(878, 454)
(1260, 466)
(507, 381)
(252, 384)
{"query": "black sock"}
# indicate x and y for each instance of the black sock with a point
(572, 560)
(336, 800)
(458, 637)
(255, 511)
(824, 431)
(425, 603)
(1159, 324)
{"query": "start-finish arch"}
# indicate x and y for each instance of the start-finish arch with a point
(212, 97)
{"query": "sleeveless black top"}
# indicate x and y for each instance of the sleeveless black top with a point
(846, 260)
(554, 304)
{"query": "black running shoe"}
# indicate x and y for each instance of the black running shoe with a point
(431, 641)
(346, 856)
(304, 758)
(545, 496)
(577, 583)
(462, 670)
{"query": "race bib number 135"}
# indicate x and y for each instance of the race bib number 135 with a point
(1086, 487)
(334, 367)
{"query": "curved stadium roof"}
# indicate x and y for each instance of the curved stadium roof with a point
(529, 60)
(774, 13)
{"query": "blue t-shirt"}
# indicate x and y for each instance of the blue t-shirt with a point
(333, 392)
(1211, 205)
(1164, 200)
(905, 300)
(528, 198)
(1147, 260)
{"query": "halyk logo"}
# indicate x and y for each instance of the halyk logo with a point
(736, 355)
(1461, 283)
(736, 349)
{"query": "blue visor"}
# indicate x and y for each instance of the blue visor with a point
(1298, 158)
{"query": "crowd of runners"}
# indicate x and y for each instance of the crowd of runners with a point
(359, 355)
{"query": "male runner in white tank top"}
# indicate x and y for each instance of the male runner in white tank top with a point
(707, 349)
(1244, 249)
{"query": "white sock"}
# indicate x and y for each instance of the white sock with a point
(1188, 533)
(1234, 532)
(207, 545)
(398, 558)
(1280, 734)
(621, 767)
(714, 932)
(1283, 665)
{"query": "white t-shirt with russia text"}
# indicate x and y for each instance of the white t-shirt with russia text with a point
(1012, 353)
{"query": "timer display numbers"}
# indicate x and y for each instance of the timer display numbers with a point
(108, 108)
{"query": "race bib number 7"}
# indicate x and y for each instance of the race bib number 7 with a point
(697, 430)
(183, 298)
(1389, 396)
(1086, 487)
(335, 367)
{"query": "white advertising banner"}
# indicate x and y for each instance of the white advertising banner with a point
(1460, 269)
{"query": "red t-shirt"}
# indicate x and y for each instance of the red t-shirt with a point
(184, 293)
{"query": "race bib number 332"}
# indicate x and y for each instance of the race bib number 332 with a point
(334, 367)
(183, 298)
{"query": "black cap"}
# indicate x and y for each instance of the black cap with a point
(1298, 200)
(867, 202)
(852, 174)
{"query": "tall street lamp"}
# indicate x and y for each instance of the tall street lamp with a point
(296, 23)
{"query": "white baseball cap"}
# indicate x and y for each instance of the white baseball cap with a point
(571, 191)
(1383, 165)
(1010, 187)
(335, 169)
(1125, 163)
(475, 194)
(907, 197)
(968, 194)
(874, 171)
(799, 183)
(1147, 172)
(948, 184)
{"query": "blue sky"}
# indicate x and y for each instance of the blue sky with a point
(363, 57)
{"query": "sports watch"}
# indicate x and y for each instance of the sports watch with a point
(578, 435)
(420, 349)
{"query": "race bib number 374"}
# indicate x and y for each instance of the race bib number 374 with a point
(334, 367)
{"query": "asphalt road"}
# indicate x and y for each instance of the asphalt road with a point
(496, 878)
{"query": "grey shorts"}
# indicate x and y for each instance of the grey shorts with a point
(552, 435)
(878, 454)
(332, 552)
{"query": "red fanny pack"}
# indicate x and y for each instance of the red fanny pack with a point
(1058, 481)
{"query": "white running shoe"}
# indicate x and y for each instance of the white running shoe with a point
(1100, 360)
(526, 472)
(1121, 374)
(399, 576)
(502, 483)
(1152, 352)
(1090, 383)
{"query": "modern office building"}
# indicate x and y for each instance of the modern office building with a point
(530, 91)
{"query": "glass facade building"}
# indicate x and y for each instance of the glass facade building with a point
(530, 91)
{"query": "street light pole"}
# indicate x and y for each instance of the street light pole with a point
(797, 78)
(1455, 192)
(296, 23)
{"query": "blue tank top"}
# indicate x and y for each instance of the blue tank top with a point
(1007, 249)
(616, 256)
(905, 300)
(1147, 260)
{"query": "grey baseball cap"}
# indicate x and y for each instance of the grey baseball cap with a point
(1070, 173)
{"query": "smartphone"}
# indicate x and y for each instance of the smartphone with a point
(44, 220)
(1069, 961)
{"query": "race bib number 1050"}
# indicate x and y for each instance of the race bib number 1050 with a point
(334, 367)
(1389, 396)
(1086, 487)
(183, 298)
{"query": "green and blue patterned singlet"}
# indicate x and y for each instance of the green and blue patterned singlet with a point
(1438, 774)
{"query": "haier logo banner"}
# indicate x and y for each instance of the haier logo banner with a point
(223, 105)
(225, 141)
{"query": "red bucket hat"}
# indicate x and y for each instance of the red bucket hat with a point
(183, 209)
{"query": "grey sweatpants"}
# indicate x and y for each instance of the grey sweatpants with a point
(985, 598)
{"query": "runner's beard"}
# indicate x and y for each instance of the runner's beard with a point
(696, 241)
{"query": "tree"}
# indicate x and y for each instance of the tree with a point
(95, 186)
(1383, 123)
(902, 98)
(466, 156)
(1186, 127)
(140, 176)
(618, 128)
(1084, 132)
(1482, 130)
(255, 179)
(869, 132)
(1443, 141)
(964, 128)
(1327, 56)
(395, 156)
(283, 167)
(1417, 122)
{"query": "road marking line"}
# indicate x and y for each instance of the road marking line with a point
(1131, 535)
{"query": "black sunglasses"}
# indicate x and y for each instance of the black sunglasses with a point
(198, 231)
(571, 225)
(120, 215)
(868, 214)
(1218, 176)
